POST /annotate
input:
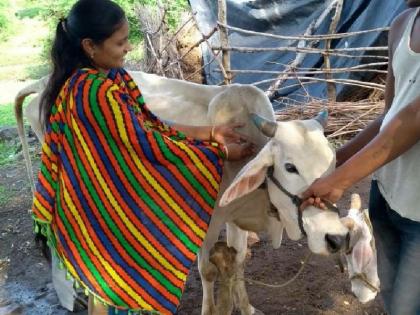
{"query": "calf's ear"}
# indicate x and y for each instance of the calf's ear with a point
(361, 255)
(250, 177)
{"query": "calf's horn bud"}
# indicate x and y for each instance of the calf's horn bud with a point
(348, 222)
(322, 118)
(356, 202)
(267, 127)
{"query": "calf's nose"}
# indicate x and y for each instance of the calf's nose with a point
(335, 242)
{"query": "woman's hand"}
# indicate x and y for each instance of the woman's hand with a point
(326, 188)
(237, 145)
(239, 151)
(226, 133)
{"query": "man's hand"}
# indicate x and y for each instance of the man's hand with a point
(322, 189)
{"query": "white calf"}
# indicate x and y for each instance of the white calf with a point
(298, 152)
(361, 255)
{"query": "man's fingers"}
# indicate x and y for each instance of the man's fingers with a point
(306, 203)
(307, 194)
(313, 201)
(319, 203)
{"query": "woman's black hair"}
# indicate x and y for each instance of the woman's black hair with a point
(94, 19)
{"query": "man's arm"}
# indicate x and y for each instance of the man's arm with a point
(398, 136)
(371, 149)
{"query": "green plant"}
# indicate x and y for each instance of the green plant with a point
(7, 114)
(30, 12)
(52, 11)
(4, 19)
(7, 117)
(7, 152)
(175, 9)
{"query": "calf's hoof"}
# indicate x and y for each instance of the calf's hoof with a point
(256, 311)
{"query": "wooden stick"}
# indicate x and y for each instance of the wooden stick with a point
(365, 65)
(337, 70)
(345, 119)
(158, 60)
(369, 85)
(224, 40)
(195, 45)
(299, 49)
(175, 35)
(162, 21)
(215, 55)
(305, 37)
(347, 81)
(331, 88)
(360, 56)
(172, 39)
(201, 69)
(271, 91)
(292, 49)
(352, 122)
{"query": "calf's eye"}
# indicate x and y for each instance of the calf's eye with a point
(291, 168)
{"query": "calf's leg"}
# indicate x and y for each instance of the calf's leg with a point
(237, 238)
(208, 271)
(223, 257)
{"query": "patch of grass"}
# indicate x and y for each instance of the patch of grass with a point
(36, 71)
(20, 54)
(5, 23)
(136, 54)
(7, 113)
(7, 153)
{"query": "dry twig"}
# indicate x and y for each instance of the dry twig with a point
(345, 118)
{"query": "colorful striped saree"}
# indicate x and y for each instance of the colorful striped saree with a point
(124, 199)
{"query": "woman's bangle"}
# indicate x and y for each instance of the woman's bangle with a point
(212, 134)
(226, 152)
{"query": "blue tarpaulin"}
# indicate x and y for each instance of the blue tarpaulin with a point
(292, 17)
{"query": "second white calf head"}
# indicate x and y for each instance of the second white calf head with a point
(361, 255)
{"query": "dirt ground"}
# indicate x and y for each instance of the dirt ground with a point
(25, 281)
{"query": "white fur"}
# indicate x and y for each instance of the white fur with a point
(302, 144)
(362, 259)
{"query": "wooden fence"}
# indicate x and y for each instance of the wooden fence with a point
(350, 117)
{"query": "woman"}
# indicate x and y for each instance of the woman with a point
(124, 199)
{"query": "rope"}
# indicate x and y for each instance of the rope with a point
(362, 277)
(276, 286)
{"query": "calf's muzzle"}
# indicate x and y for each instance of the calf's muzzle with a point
(336, 242)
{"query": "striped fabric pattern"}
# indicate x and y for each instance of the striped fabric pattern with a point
(124, 199)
